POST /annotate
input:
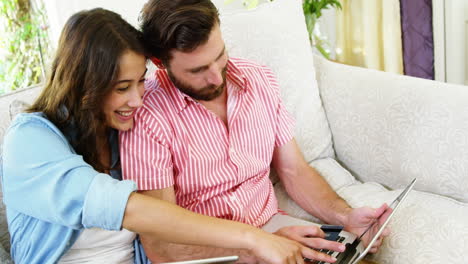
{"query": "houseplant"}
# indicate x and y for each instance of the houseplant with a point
(313, 12)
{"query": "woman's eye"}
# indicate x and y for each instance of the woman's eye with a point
(122, 89)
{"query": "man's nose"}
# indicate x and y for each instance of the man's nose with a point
(215, 76)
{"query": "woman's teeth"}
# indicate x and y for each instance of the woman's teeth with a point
(125, 113)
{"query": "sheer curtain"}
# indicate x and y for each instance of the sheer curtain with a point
(368, 34)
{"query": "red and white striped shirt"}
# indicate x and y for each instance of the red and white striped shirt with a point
(215, 170)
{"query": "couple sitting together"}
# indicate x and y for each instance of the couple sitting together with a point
(108, 166)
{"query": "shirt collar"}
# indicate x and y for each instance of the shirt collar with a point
(180, 99)
(233, 75)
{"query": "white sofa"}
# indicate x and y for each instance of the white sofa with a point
(368, 133)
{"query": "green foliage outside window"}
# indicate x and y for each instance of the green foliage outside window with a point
(24, 44)
(316, 6)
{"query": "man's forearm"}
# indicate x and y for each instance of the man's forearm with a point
(307, 187)
(159, 251)
(313, 193)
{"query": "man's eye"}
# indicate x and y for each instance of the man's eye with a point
(196, 71)
(142, 80)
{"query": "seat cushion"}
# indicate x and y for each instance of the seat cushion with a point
(427, 228)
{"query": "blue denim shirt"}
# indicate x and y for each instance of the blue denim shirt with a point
(52, 194)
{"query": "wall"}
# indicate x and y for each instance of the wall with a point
(438, 25)
(450, 22)
(59, 11)
(456, 44)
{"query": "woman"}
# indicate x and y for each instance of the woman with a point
(61, 177)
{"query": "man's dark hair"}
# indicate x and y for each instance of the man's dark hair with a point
(182, 25)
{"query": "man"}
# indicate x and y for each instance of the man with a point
(211, 127)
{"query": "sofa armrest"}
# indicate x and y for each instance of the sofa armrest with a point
(390, 128)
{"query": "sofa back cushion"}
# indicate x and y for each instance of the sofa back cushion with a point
(391, 128)
(9, 103)
(274, 34)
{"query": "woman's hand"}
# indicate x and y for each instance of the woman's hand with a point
(281, 247)
(311, 236)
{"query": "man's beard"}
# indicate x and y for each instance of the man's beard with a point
(206, 93)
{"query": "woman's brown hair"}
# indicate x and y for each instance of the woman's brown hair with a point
(83, 73)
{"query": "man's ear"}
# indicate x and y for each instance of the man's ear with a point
(157, 62)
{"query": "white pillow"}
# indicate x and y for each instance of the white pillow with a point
(16, 107)
(275, 34)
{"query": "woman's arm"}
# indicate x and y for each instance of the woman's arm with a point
(153, 217)
(40, 167)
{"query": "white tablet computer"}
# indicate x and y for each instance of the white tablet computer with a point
(355, 250)
(220, 260)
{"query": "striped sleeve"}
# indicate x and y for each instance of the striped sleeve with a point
(145, 153)
(284, 120)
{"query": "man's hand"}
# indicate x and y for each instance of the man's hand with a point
(359, 220)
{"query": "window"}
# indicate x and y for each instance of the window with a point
(24, 44)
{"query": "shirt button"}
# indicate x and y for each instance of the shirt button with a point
(232, 151)
(232, 198)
